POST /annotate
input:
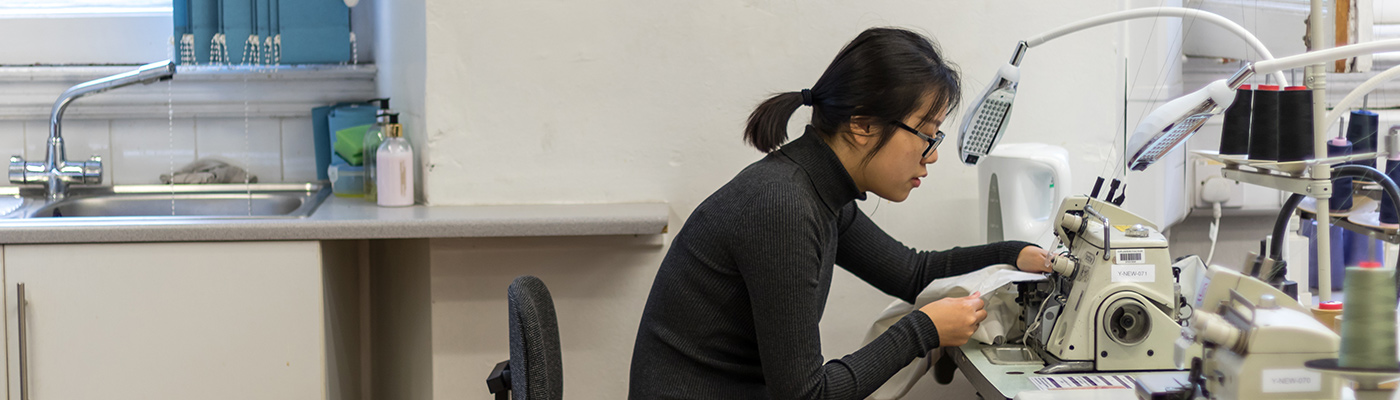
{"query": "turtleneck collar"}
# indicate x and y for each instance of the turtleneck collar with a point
(830, 178)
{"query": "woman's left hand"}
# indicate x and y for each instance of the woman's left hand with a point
(1033, 259)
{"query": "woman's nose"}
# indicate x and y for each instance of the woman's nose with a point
(932, 157)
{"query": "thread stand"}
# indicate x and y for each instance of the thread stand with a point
(1367, 380)
(1293, 169)
(1364, 210)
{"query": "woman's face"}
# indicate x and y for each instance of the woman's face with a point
(900, 166)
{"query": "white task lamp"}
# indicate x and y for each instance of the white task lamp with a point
(1166, 127)
(985, 122)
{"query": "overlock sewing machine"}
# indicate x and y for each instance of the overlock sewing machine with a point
(1257, 340)
(1113, 302)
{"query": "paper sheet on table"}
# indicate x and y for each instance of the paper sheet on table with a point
(1002, 313)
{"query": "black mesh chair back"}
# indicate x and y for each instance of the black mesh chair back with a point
(535, 370)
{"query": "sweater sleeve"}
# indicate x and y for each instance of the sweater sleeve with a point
(779, 260)
(871, 254)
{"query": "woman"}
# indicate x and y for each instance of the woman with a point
(733, 312)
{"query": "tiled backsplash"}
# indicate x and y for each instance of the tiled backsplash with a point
(258, 120)
(138, 151)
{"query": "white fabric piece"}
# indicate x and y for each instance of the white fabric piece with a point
(1002, 313)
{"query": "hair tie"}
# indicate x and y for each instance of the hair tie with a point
(806, 97)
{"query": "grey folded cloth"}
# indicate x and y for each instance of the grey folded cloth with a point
(209, 170)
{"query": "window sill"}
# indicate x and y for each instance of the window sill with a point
(205, 91)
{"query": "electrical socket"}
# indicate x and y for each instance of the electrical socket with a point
(1206, 169)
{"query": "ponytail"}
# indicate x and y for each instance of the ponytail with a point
(884, 74)
(767, 127)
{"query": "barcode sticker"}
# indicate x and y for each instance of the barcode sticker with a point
(1134, 256)
(1082, 382)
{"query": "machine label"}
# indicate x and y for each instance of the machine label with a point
(1134, 256)
(1134, 273)
(1291, 380)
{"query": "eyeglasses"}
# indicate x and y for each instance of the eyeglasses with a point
(932, 141)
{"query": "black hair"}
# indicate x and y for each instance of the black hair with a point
(884, 73)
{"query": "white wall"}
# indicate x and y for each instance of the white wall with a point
(612, 101)
(582, 102)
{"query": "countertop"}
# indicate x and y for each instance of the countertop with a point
(354, 218)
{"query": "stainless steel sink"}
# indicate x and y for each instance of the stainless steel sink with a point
(185, 202)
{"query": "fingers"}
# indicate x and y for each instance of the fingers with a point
(1040, 262)
(979, 315)
(1034, 259)
(977, 303)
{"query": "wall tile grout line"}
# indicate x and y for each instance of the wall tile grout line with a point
(194, 129)
(282, 148)
(109, 165)
(24, 131)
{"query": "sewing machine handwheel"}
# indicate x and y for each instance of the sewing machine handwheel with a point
(1127, 322)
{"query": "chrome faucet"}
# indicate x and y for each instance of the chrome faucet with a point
(56, 172)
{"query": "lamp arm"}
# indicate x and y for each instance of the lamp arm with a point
(1356, 94)
(1152, 12)
(1321, 56)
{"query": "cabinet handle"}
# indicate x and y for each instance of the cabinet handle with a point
(23, 348)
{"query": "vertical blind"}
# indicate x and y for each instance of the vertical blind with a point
(263, 32)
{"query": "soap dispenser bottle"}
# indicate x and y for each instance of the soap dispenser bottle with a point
(394, 178)
(373, 137)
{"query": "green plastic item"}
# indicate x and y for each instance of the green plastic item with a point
(350, 143)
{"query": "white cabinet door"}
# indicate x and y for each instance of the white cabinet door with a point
(236, 320)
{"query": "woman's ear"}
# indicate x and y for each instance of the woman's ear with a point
(862, 131)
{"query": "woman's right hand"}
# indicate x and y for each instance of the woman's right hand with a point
(956, 318)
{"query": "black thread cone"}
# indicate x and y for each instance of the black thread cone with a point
(1295, 125)
(1234, 134)
(1263, 127)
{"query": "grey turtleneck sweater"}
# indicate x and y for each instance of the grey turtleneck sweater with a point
(734, 310)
